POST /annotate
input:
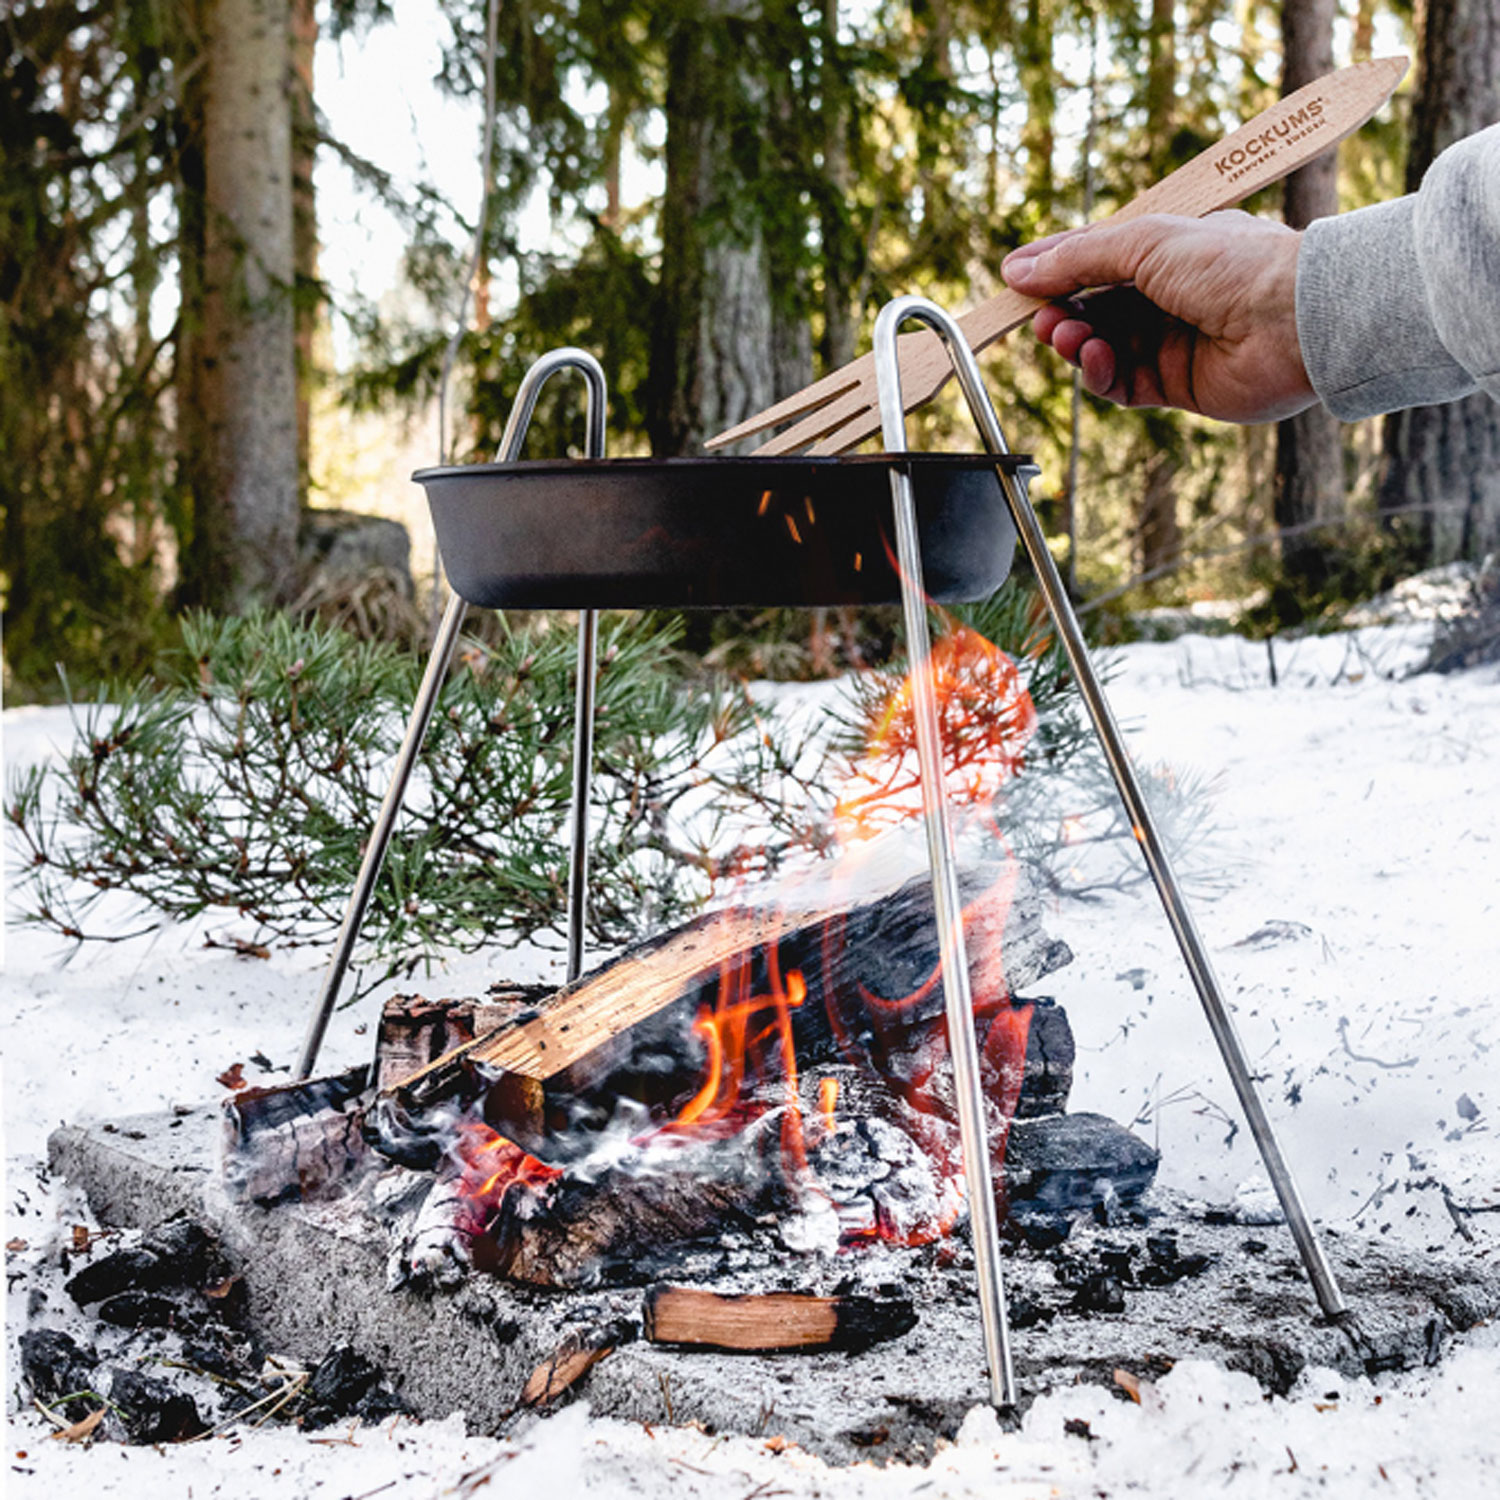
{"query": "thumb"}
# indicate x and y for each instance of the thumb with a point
(1101, 255)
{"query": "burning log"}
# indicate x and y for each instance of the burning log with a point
(415, 1032)
(294, 1139)
(825, 988)
(744, 1064)
(615, 1224)
(769, 1322)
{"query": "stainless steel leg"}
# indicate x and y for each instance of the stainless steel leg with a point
(583, 723)
(1194, 954)
(946, 903)
(380, 835)
(583, 773)
(427, 696)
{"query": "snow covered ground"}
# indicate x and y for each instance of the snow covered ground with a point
(1356, 813)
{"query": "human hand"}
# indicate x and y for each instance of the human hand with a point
(1193, 313)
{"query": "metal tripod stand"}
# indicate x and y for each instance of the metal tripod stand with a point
(940, 840)
(441, 657)
(954, 964)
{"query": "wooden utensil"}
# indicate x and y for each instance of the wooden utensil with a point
(840, 410)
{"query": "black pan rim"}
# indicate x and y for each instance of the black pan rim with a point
(728, 463)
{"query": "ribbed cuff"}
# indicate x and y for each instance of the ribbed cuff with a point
(1367, 336)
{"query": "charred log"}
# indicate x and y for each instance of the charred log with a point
(621, 1224)
(415, 1032)
(295, 1139)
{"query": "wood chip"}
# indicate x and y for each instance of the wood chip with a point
(568, 1363)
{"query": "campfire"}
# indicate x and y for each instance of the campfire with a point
(777, 1072)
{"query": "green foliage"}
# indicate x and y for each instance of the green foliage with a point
(242, 783)
(871, 150)
(85, 485)
(245, 783)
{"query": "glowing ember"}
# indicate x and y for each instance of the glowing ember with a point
(491, 1166)
(828, 1102)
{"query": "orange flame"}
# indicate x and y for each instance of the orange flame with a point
(747, 1029)
(828, 1102)
(491, 1165)
(986, 718)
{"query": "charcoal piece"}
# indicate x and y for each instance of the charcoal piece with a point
(1100, 1293)
(134, 1269)
(144, 1310)
(178, 1253)
(153, 1411)
(1026, 1313)
(1050, 1053)
(187, 1252)
(1117, 1262)
(1071, 1162)
(57, 1366)
(346, 1384)
(1166, 1264)
(1035, 1227)
(215, 1359)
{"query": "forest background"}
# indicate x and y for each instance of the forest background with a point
(729, 189)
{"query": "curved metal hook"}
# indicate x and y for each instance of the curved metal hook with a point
(438, 661)
(888, 372)
(524, 406)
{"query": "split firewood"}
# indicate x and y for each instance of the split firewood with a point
(769, 1322)
(294, 1139)
(838, 986)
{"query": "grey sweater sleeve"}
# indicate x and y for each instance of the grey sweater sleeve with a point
(1399, 304)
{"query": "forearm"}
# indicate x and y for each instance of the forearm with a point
(1399, 304)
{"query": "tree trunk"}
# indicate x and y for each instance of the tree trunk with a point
(1309, 447)
(242, 369)
(713, 359)
(841, 254)
(1442, 480)
(1159, 535)
(1039, 79)
(304, 42)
